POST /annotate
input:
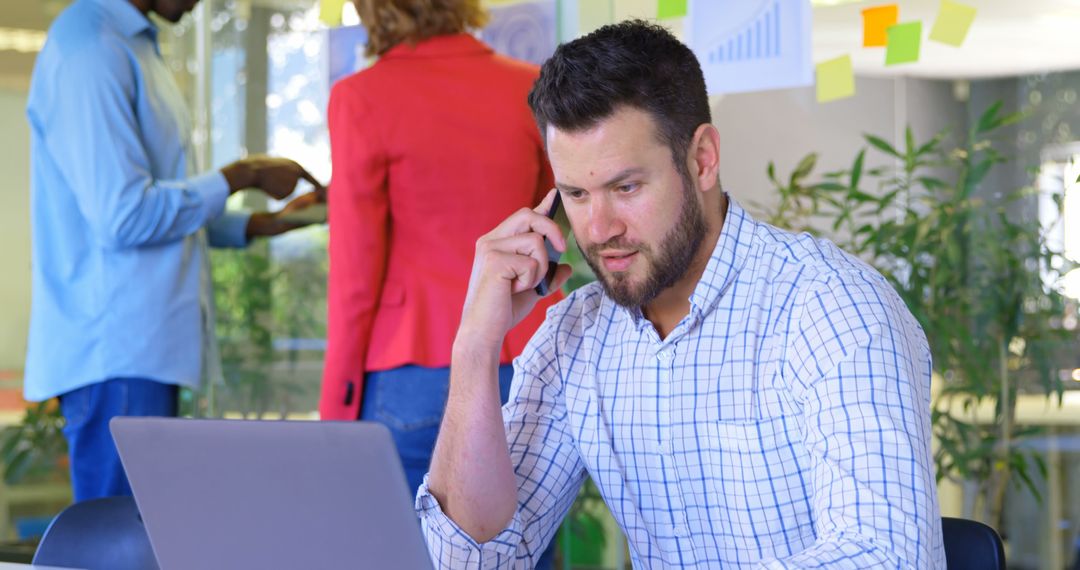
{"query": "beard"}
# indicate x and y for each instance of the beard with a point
(663, 267)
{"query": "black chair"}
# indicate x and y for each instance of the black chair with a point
(105, 534)
(972, 545)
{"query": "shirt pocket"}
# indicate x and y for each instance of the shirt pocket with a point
(746, 483)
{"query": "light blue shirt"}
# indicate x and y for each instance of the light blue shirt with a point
(119, 258)
(784, 423)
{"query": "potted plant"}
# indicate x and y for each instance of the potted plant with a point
(971, 269)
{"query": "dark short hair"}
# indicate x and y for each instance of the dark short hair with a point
(631, 63)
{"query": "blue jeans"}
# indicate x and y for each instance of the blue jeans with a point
(410, 400)
(95, 466)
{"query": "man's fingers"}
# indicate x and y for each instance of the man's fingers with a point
(527, 220)
(527, 245)
(522, 271)
(545, 205)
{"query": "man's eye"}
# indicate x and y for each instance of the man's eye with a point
(627, 188)
(575, 194)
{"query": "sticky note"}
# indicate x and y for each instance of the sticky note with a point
(953, 21)
(330, 12)
(904, 41)
(627, 9)
(835, 79)
(670, 9)
(592, 14)
(875, 21)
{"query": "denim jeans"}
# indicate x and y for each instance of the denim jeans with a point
(95, 466)
(410, 400)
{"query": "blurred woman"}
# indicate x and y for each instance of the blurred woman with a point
(432, 147)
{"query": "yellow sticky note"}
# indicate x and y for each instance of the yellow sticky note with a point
(952, 24)
(875, 21)
(592, 14)
(627, 9)
(330, 12)
(670, 9)
(835, 79)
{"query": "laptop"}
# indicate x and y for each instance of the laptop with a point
(236, 494)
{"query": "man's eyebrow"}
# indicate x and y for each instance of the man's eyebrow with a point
(613, 181)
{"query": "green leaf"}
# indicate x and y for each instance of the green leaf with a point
(881, 145)
(989, 119)
(856, 169)
(805, 166)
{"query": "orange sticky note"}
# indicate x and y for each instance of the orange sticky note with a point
(875, 21)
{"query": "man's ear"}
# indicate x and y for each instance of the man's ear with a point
(703, 158)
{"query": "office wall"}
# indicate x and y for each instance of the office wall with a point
(14, 228)
(784, 125)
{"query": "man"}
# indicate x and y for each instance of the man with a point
(742, 397)
(121, 291)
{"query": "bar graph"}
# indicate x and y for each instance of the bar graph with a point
(752, 45)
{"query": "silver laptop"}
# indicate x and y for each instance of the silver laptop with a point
(236, 494)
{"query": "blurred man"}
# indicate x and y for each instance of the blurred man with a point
(120, 223)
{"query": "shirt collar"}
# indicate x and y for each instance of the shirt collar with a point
(439, 46)
(728, 256)
(127, 19)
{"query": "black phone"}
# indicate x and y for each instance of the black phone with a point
(543, 288)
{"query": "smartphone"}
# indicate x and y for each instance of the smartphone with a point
(544, 287)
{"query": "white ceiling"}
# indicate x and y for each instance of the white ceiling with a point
(1008, 37)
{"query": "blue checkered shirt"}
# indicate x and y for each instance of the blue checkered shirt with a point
(784, 423)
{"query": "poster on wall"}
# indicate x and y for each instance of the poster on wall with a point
(345, 51)
(523, 30)
(752, 45)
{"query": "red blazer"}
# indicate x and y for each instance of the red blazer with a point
(432, 147)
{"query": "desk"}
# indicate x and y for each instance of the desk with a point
(15, 566)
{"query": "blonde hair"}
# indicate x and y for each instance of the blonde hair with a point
(391, 22)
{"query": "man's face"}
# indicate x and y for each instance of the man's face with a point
(637, 221)
(172, 10)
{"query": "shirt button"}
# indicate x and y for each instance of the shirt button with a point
(664, 354)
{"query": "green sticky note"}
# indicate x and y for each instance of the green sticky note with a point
(835, 79)
(904, 41)
(330, 12)
(671, 9)
(952, 24)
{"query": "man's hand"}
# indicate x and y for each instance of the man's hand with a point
(510, 261)
(277, 177)
(265, 224)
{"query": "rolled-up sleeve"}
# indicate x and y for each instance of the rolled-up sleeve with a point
(229, 230)
(546, 462)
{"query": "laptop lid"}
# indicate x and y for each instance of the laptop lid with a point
(270, 494)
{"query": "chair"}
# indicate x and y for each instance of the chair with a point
(971, 545)
(106, 534)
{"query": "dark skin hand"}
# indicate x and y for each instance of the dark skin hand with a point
(265, 224)
(277, 177)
